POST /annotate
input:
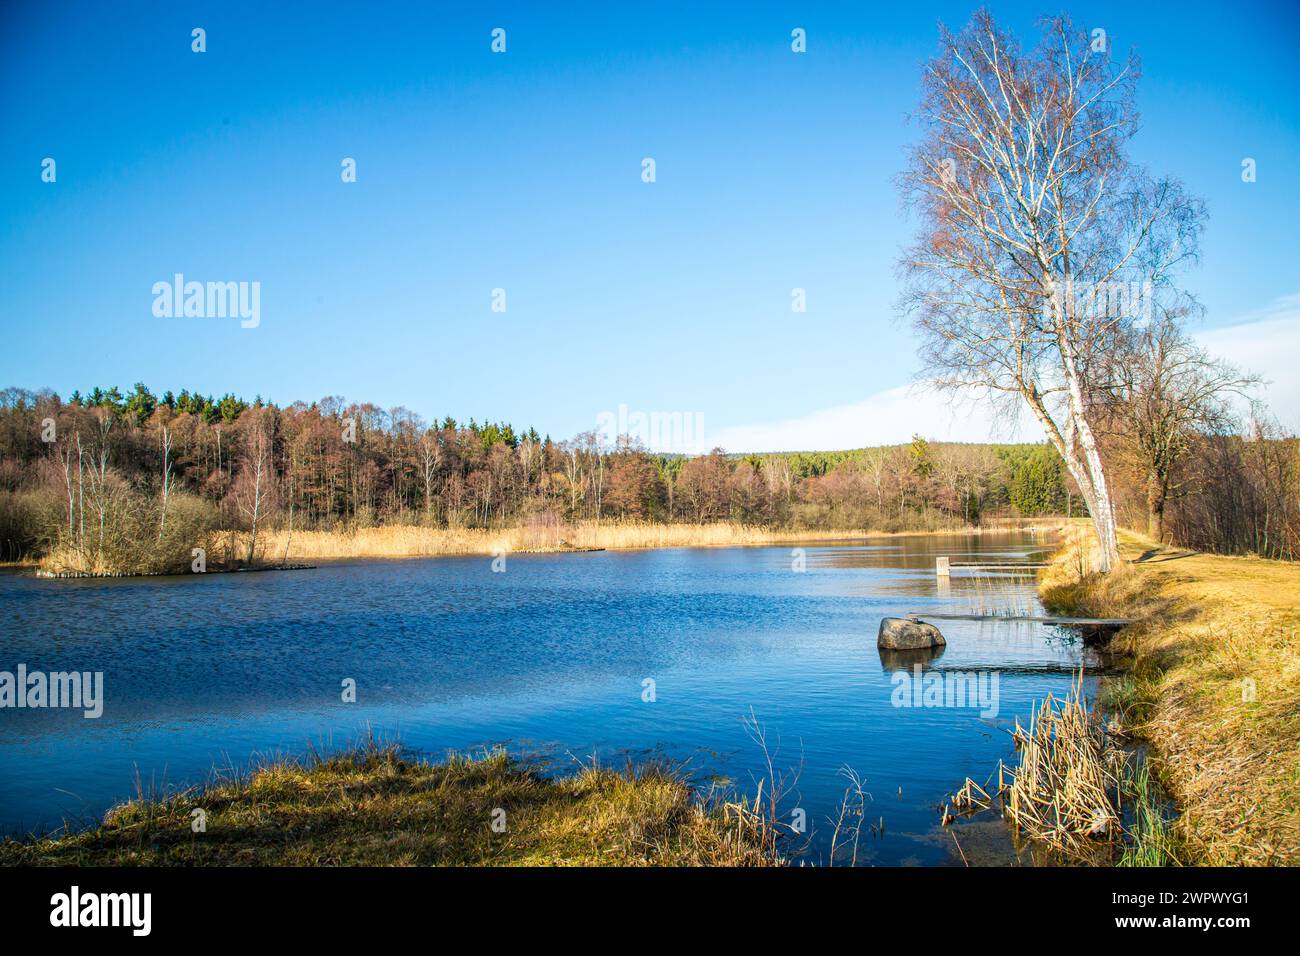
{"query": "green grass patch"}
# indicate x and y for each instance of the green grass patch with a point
(1151, 838)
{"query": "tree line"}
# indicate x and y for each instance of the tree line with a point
(108, 479)
(112, 480)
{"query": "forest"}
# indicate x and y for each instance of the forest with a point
(108, 480)
(114, 482)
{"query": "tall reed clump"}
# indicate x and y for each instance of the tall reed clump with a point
(1076, 795)
(1066, 789)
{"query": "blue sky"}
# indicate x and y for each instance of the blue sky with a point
(522, 171)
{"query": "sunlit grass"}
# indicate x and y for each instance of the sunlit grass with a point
(372, 806)
(393, 541)
(1214, 676)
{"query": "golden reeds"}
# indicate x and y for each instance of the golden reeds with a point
(394, 541)
(1065, 791)
(971, 797)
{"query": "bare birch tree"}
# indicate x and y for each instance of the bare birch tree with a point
(430, 459)
(65, 465)
(253, 489)
(101, 491)
(166, 477)
(1036, 231)
(573, 474)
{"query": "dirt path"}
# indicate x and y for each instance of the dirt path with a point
(1246, 581)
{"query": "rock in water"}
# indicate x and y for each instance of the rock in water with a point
(901, 634)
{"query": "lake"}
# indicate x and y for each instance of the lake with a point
(648, 654)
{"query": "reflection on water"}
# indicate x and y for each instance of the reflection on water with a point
(904, 660)
(548, 659)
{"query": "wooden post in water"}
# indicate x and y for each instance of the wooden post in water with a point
(941, 567)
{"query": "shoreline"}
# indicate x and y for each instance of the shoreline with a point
(413, 541)
(373, 805)
(1212, 675)
(68, 575)
(416, 541)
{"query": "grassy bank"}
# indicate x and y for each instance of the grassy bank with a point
(372, 807)
(1213, 686)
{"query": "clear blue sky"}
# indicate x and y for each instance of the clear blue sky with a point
(522, 171)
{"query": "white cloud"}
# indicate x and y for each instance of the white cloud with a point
(886, 418)
(1266, 342)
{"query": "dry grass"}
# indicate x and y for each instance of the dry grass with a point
(1214, 686)
(396, 541)
(372, 807)
(227, 549)
(1065, 790)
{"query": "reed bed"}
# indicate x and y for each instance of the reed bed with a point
(995, 595)
(544, 535)
(278, 546)
(1066, 790)
(396, 541)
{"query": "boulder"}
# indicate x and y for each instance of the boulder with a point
(903, 634)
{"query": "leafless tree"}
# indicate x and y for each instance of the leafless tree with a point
(288, 540)
(430, 458)
(166, 477)
(101, 490)
(572, 451)
(252, 492)
(65, 466)
(1164, 390)
(1036, 230)
(875, 462)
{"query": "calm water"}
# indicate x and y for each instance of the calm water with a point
(549, 659)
